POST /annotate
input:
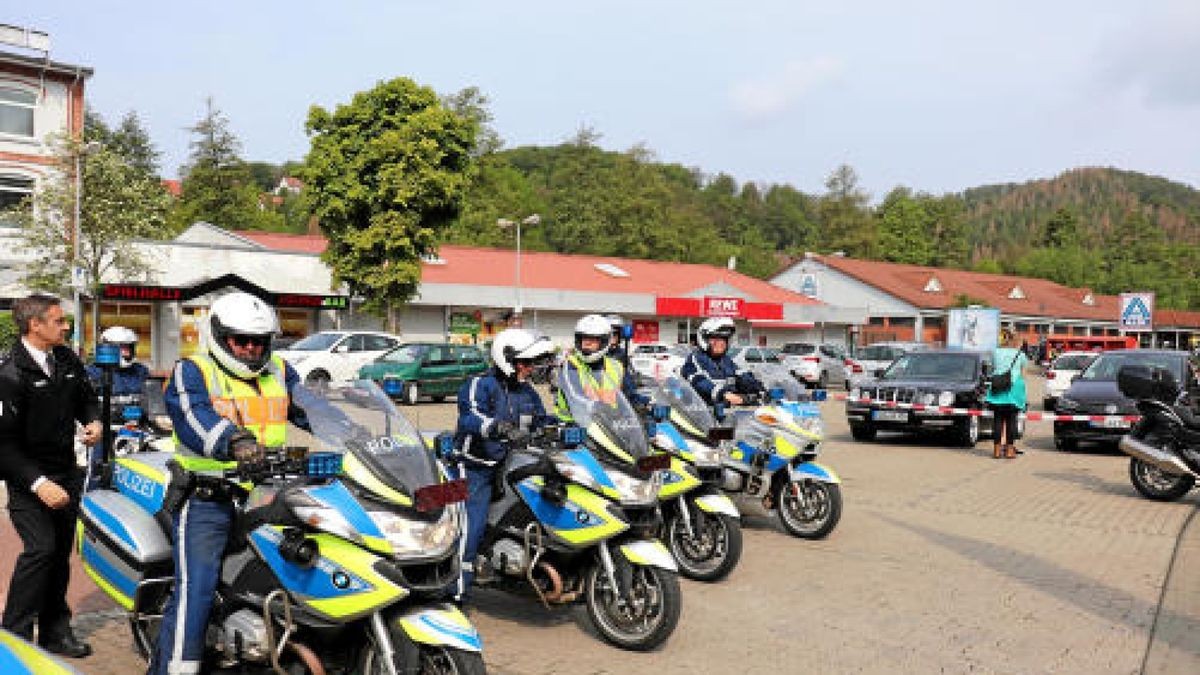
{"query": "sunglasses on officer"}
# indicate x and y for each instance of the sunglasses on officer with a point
(250, 340)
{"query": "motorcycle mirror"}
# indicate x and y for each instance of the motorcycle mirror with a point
(719, 412)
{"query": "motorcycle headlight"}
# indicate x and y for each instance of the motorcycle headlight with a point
(411, 537)
(636, 490)
(946, 399)
(577, 474)
(705, 455)
(319, 516)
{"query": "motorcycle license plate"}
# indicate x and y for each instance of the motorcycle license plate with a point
(1113, 423)
(889, 416)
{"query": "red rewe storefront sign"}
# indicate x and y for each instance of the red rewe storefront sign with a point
(730, 307)
(736, 308)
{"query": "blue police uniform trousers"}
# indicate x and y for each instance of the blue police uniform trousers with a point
(200, 535)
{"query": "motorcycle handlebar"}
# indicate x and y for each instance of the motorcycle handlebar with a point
(279, 463)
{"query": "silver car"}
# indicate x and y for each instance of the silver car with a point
(876, 357)
(816, 364)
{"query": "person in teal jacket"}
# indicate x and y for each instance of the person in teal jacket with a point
(1008, 404)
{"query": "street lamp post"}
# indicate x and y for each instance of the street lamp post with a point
(506, 223)
(76, 235)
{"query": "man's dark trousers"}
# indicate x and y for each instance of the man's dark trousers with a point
(38, 589)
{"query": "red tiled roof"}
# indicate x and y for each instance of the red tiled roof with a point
(1042, 297)
(292, 182)
(491, 267)
(173, 187)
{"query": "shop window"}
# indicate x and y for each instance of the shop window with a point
(875, 321)
(935, 322)
(16, 111)
(902, 322)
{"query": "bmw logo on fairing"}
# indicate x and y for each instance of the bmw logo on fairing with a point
(582, 517)
(341, 580)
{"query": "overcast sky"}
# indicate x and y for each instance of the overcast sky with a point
(937, 95)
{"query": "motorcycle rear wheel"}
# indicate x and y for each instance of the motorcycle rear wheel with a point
(811, 514)
(641, 628)
(1154, 483)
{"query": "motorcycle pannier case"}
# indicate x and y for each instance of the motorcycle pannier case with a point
(123, 548)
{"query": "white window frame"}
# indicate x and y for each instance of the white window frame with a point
(31, 107)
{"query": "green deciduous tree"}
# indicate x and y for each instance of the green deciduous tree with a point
(386, 174)
(120, 203)
(846, 223)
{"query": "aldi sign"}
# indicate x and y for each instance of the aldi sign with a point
(730, 307)
(1137, 311)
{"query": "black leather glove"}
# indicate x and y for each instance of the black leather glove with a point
(502, 429)
(246, 450)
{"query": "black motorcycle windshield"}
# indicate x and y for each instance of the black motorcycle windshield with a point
(361, 419)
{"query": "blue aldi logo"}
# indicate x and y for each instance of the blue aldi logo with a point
(1137, 311)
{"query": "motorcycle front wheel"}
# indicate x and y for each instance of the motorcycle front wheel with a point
(808, 509)
(1154, 483)
(712, 553)
(644, 619)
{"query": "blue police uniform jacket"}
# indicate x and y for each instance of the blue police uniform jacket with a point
(712, 378)
(126, 381)
(486, 400)
(197, 423)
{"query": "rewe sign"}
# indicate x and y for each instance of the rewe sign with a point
(731, 307)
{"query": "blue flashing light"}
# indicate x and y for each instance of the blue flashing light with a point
(108, 355)
(571, 436)
(393, 386)
(445, 445)
(776, 393)
(820, 395)
(627, 332)
(131, 413)
(660, 413)
(324, 464)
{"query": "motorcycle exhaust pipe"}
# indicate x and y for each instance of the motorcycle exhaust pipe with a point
(1155, 457)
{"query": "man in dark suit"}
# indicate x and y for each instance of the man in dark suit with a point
(44, 391)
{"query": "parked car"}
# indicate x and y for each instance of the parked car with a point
(336, 355)
(656, 360)
(819, 365)
(941, 377)
(428, 369)
(876, 357)
(1095, 392)
(1065, 368)
(764, 362)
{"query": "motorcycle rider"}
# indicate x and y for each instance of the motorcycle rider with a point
(615, 349)
(127, 380)
(711, 370)
(226, 403)
(497, 411)
(595, 368)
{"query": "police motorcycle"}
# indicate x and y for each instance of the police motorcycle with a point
(777, 438)
(341, 551)
(140, 422)
(1164, 445)
(575, 519)
(701, 526)
(18, 657)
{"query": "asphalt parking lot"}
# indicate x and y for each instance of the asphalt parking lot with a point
(945, 560)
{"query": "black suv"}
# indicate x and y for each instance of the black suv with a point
(943, 378)
(1094, 392)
